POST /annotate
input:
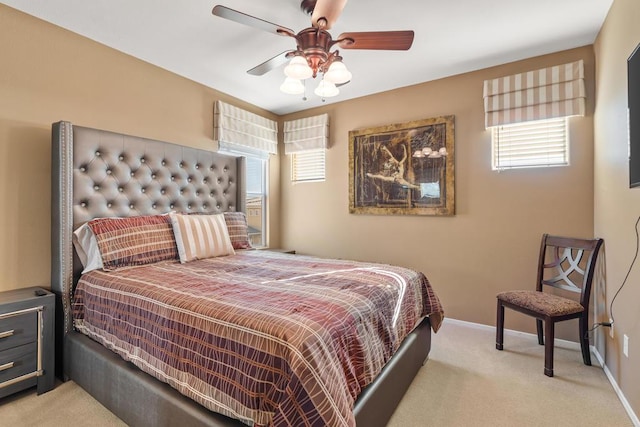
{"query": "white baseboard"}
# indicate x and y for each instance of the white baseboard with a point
(566, 344)
(614, 384)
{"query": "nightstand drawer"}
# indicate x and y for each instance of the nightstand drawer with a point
(18, 330)
(18, 361)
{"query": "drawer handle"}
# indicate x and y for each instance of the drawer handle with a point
(6, 366)
(6, 334)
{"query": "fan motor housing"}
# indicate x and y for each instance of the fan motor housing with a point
(314, 38)
(315, 43)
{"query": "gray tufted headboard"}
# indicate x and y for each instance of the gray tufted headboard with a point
(96, 173)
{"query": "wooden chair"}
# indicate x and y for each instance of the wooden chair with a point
(565, 263)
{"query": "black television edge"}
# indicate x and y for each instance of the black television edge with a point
(633, 80)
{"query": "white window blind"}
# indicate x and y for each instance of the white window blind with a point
(531, 144)
(255, 175)
(308, 166)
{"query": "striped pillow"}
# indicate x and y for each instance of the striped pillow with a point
(136, 240)
(201, 236)
(238, 229)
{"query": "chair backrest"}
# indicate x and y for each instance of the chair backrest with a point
(568, 263)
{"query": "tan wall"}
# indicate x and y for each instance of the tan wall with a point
(49, 74)
(616, 206)
(492, 242)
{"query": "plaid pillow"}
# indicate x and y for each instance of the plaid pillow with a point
(201, 236)
(238, 229)
(136, 240)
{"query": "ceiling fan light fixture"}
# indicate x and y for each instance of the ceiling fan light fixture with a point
(298, 68)
(326, 89)
(292, 86)
(313, 55)
(337, 73)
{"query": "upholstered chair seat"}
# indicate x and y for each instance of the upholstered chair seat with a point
(544, 303)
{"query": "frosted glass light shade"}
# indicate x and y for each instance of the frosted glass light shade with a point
(337, 73)
(326, 89)
(298, 68)
(292, 86)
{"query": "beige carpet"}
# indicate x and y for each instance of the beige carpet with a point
(466, 382)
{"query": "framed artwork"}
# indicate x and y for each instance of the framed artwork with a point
(403, 169)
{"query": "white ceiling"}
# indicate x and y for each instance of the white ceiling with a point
(451, 37)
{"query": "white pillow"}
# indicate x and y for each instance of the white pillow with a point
(201, 236)
(87, 248)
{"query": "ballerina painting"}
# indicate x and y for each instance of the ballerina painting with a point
(393, 169)
(403, 169)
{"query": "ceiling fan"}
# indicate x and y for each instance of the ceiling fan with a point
(313, 54)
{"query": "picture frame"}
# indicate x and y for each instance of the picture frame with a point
(403, 169)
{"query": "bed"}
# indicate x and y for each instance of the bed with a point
(102, 174)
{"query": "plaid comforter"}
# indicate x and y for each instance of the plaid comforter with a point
(263, 337)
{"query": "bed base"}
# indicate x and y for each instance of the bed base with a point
(138, 399)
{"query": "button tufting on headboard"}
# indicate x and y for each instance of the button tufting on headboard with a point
(117, 174)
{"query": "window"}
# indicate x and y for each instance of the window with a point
(308, 166)
(256, 182)
(306, 141)
(530, 144)
(257, 200)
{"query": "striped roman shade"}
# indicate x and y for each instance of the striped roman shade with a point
(557, 91)
(201, 236)
(310, 133)
(239, 130)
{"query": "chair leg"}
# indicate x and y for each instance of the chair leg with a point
(548, 347)
(584, 340)
(500, 325)
(540, 332)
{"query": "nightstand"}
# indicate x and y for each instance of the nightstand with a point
(27, 354)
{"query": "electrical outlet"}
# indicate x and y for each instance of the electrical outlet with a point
(611, 328)
(625, 345)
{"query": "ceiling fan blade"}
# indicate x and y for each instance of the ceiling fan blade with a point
(270, 64)
(251, 21)
(330, 10)
(379, 40)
